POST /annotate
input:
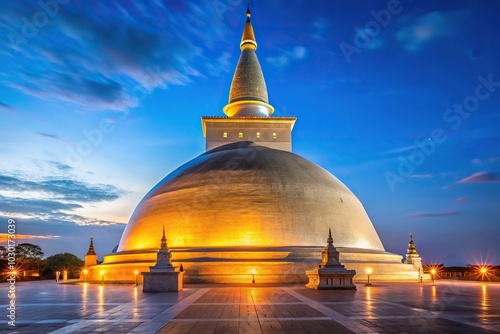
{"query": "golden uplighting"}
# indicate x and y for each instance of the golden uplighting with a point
(85, 272)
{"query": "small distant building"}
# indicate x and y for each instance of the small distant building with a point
(455, 272)
(91, 256)
(412, 256)
(331, 273)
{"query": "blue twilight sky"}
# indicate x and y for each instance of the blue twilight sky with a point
(400, 100)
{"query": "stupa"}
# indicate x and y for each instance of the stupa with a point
(162, 277)
(248, 204)
(331, 274)
(412, 256)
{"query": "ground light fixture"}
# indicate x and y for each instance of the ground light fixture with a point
(433, 273)
(368, 272)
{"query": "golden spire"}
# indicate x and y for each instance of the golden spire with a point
(248, 37)
(330, 239)
(248, 93)
(330, 257)
(411, 246)
(91, 250)
(163, 240)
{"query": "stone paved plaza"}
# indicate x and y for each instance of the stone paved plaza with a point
(448, 307)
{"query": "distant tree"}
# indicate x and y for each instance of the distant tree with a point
(3, 253)
(61, 262)
(29, 256)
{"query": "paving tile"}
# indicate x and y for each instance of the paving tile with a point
(447, 307)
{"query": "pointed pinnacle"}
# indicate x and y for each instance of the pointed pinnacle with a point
(248, 12)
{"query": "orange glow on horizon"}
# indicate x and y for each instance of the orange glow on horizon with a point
(4, 237)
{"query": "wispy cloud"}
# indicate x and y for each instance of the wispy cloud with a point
(403, 149)
(286, 57)
(486, 161)
(34, 207)
(421, 176)
(65, 189)
(49, 136)
(481, 177)
(320, 28)
(99, 61)
(221, 65)
(46, 211)
(366, 35)
(5, 107)
(420, 30)
(53, 200)
(435, 214)
(460, 200)
(60, 166)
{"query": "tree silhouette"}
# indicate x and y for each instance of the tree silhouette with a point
(61, 262)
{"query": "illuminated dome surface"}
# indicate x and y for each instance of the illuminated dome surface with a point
(242, 194)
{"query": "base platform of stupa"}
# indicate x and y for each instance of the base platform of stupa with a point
(235, 264)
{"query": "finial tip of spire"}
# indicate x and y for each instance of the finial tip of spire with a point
(248, 12)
